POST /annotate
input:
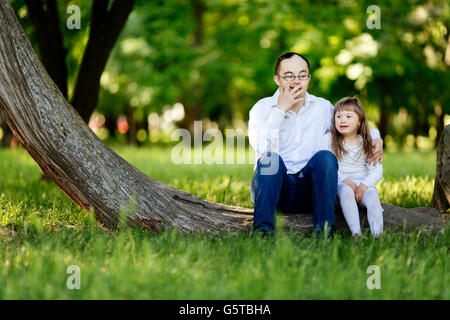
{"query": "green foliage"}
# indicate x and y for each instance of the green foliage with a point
(398, 67)
(216, 57)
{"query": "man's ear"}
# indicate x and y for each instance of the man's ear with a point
(277, 80)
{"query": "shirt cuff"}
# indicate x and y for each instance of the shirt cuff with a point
(368, 183)
(276, 117)
(375, 134)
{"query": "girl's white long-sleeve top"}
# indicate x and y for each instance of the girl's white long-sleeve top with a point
(353, 165)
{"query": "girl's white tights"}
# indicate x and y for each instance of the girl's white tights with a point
(351, 213)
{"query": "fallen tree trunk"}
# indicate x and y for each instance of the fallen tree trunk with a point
(425, 219)
(92, 175)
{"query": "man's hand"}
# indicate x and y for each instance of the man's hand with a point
(351, 184)
(288, 98)
(377, 146)
(360, 192)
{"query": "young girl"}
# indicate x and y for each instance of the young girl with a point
(351, 143)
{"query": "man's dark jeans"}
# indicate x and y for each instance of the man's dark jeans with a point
(313, 189)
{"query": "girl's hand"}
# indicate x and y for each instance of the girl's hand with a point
(361, 192)
(351, 184)
(288, 98)
(377, 146)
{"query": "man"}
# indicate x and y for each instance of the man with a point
(285, 130)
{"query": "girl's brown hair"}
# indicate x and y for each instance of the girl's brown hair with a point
(337, 144)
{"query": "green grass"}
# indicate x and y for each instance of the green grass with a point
(42, 233)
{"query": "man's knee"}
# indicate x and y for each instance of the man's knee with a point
(325, 165)
(271, 163)
(326, 160)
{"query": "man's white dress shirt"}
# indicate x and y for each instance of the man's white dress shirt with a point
(296, 137)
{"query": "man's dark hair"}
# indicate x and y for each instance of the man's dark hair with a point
(287, 56)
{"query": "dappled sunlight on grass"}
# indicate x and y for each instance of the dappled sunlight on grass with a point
(408, 192)
(222, 189)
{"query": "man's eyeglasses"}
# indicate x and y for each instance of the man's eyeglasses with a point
(290, 77)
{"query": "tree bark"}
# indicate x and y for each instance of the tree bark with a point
(93, 176)
(441, 197)
(105, 29)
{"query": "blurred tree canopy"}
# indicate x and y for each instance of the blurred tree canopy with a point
(107, 19)
(216, 59)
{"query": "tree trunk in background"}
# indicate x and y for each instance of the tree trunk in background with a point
(384, 110)
(49, 40)
(6, 132)
(439, 124)
(93, 176)
(190, 98)
(111, 124)
(199, 12)
(384, 121)
(105, 29)
(441, 197)
(442, 108)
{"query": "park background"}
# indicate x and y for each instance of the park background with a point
(179, 61)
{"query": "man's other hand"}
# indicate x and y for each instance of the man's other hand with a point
(377, 146)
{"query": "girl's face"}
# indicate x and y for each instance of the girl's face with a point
(347, 122)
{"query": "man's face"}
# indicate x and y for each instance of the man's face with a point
(294, 66)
